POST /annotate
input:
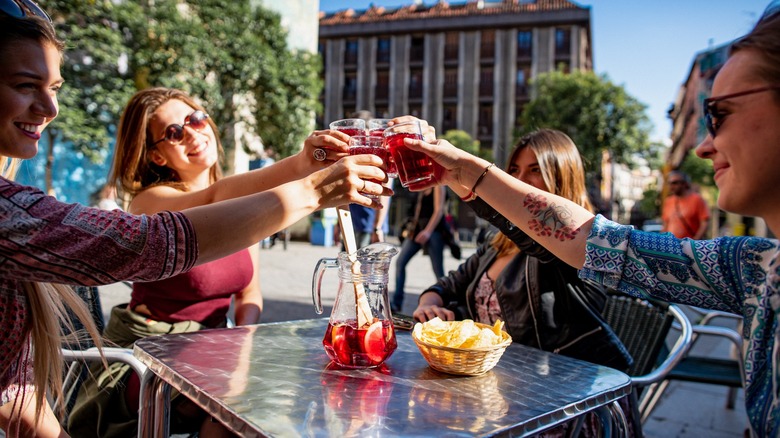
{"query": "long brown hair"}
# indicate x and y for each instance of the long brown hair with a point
(562, 172)
(47, 302)
(132, 169)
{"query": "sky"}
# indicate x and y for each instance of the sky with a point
(645, 45)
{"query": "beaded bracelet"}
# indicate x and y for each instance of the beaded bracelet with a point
(473, 194)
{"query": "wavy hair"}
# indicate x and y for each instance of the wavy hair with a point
(562, 172)
(132, 169)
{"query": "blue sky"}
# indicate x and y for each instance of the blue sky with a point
(645, 45)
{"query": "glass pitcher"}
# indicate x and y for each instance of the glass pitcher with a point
(360, 331)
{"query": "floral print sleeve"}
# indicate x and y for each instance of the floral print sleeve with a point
(720, 274)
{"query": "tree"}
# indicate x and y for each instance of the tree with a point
(95, 88)
(235, 58)
(597, 114)
(462, 140)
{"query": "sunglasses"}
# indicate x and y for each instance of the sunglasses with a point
(712, 119)
(23, 8)
(174, 132)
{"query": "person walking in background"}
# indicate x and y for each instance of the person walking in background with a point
(426, 229)
(48, 244)
(740, 274)
(684, 212)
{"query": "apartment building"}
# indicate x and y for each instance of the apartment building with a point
(461, 66)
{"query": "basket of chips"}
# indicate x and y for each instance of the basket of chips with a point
(461, 347)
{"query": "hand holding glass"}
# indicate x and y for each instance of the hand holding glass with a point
(412, 166)
(361, 144)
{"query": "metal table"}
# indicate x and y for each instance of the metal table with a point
(275, 380)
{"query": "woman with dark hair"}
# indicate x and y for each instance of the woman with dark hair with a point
(740, 275)
(520, 282)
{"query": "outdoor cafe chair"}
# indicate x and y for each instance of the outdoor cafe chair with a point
(77, 355)
(699, 367)
(643, 326)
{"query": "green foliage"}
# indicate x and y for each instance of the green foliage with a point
(232, 56)
(462, 140)
(650, 204)
(95, 91)
(597, 114)
(698, 169)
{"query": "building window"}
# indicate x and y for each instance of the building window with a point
(321, 49)
(487, 45)
(383, 51)
(351, 52)
(450, 118)
(416, 84)
(562, 42)
(382, 112)
(486, 82)
(417, 50)
(485, 123)
(415, 110)
(451, 82)
(350, 86)
(382, 85)
(524, 44)
(521, 80)
(451, 46)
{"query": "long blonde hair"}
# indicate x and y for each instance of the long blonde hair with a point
(562, 172)
(47, 302)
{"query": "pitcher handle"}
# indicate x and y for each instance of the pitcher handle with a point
(316, 281)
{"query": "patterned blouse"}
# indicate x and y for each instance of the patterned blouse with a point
(42, 239)
(740, 275)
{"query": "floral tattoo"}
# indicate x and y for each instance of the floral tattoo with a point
(551, 219)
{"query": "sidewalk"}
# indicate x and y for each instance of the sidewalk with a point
(688, 410)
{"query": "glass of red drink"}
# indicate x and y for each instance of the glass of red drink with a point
(376, 128)
(350, 127)
(412, 166)
(352, 339)
(362, 144)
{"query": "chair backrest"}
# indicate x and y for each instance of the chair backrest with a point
(643, 326)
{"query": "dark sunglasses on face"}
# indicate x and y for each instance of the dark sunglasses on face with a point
(23, 8)
(712, 119)
(174, 132)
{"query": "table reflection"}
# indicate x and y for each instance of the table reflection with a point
(276, 380)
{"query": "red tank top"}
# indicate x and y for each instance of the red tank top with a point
(202, 294)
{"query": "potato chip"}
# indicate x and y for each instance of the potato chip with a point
(458, 334)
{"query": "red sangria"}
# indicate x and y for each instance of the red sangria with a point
(365, 347)
(351, 127)
(412, 166)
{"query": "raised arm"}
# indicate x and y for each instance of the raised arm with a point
(556, 223)
(226, 227)
(295, 167)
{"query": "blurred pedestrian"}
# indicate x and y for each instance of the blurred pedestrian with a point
(684, 212)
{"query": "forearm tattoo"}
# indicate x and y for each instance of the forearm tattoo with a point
(550, 219)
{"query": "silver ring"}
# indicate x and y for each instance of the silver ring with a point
(320, 154)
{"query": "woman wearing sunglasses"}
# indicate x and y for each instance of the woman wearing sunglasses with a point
(168, 158)
(47, 244)
(734, 274)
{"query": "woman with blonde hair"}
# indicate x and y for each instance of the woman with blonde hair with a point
(513, 279)
(47, 243)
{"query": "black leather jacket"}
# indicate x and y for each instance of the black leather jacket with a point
(535, 301)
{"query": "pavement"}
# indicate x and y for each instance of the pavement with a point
(687, 410)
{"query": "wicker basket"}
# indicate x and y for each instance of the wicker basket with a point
(463, 361)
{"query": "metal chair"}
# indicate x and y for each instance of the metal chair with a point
(643, 326)
(77, 356)
(701, 368)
